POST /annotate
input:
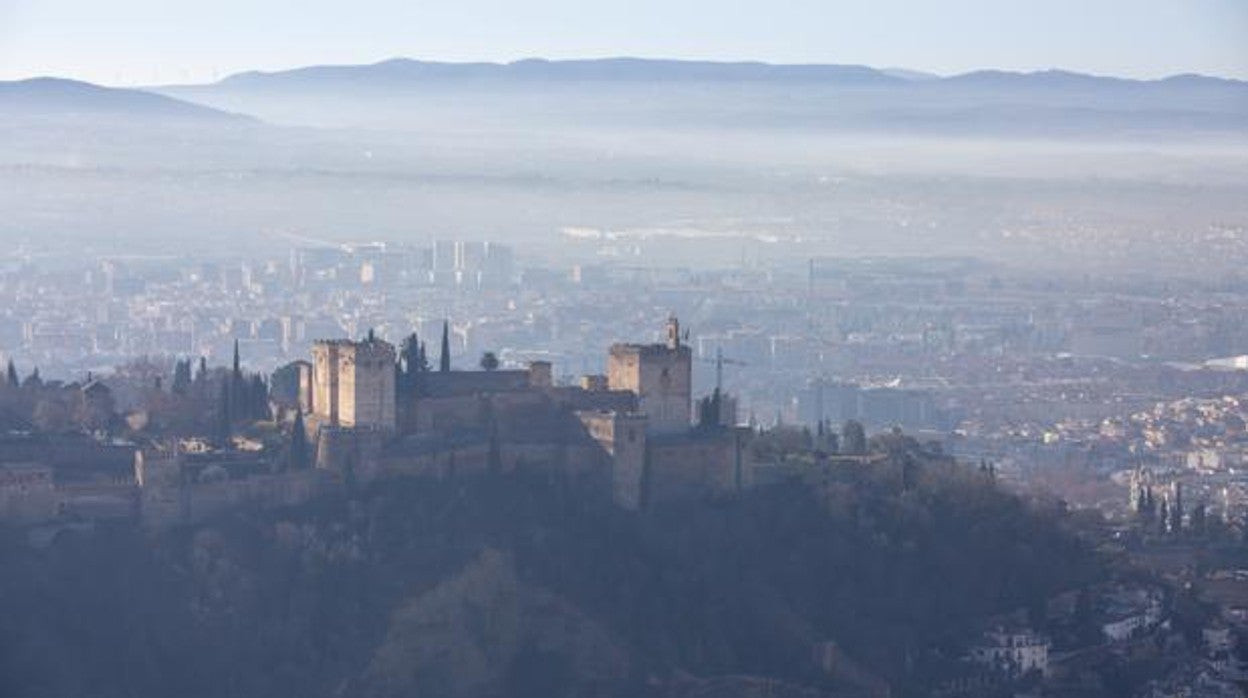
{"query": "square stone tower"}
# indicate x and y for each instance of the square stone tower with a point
(623, 437)
(353, 383)
(662, 377)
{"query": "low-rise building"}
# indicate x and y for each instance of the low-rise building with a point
(1014, 653)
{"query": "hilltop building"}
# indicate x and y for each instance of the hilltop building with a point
(661, 375)
(631, 430)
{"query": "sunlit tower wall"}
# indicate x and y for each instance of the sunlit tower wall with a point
(353, 383)
(662, 377)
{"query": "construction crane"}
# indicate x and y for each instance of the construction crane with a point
(719, 362)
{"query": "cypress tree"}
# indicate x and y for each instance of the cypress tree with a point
(225, 419)
(12, 375)
(444, 363)
(407, 354)
(1176, 511)
(258, 398)
(300, 450)
(182, 377)
(1199, 518)
(409, 363)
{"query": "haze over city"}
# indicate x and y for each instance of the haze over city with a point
(635, 349)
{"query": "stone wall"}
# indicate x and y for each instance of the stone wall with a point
(192, 503)
(697, 464)
(27, 494)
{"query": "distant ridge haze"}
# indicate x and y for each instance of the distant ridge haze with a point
(603, 69)
(650, 69)
(562, 96)
(556, 95)
(50, 97)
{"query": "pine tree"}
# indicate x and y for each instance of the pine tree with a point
(444, 363)
(489, 361)
(12, 378)
(853, 438)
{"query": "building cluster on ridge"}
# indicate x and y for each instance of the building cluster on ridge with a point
(632, 428)
(361, 410)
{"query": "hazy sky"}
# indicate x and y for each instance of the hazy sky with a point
(146, 41)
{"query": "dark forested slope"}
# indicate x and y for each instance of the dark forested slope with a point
(510, 586)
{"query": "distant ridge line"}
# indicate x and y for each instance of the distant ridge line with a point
(658, 69)
(48, 95)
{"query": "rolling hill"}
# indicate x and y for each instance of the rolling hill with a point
(59, 98)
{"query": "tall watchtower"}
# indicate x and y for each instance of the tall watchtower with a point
(353, 383)
(662, 377)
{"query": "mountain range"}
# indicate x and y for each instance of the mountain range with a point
(660, 71)
(559, 96)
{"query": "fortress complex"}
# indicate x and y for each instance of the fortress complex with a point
(628, 433)
(631, 430)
